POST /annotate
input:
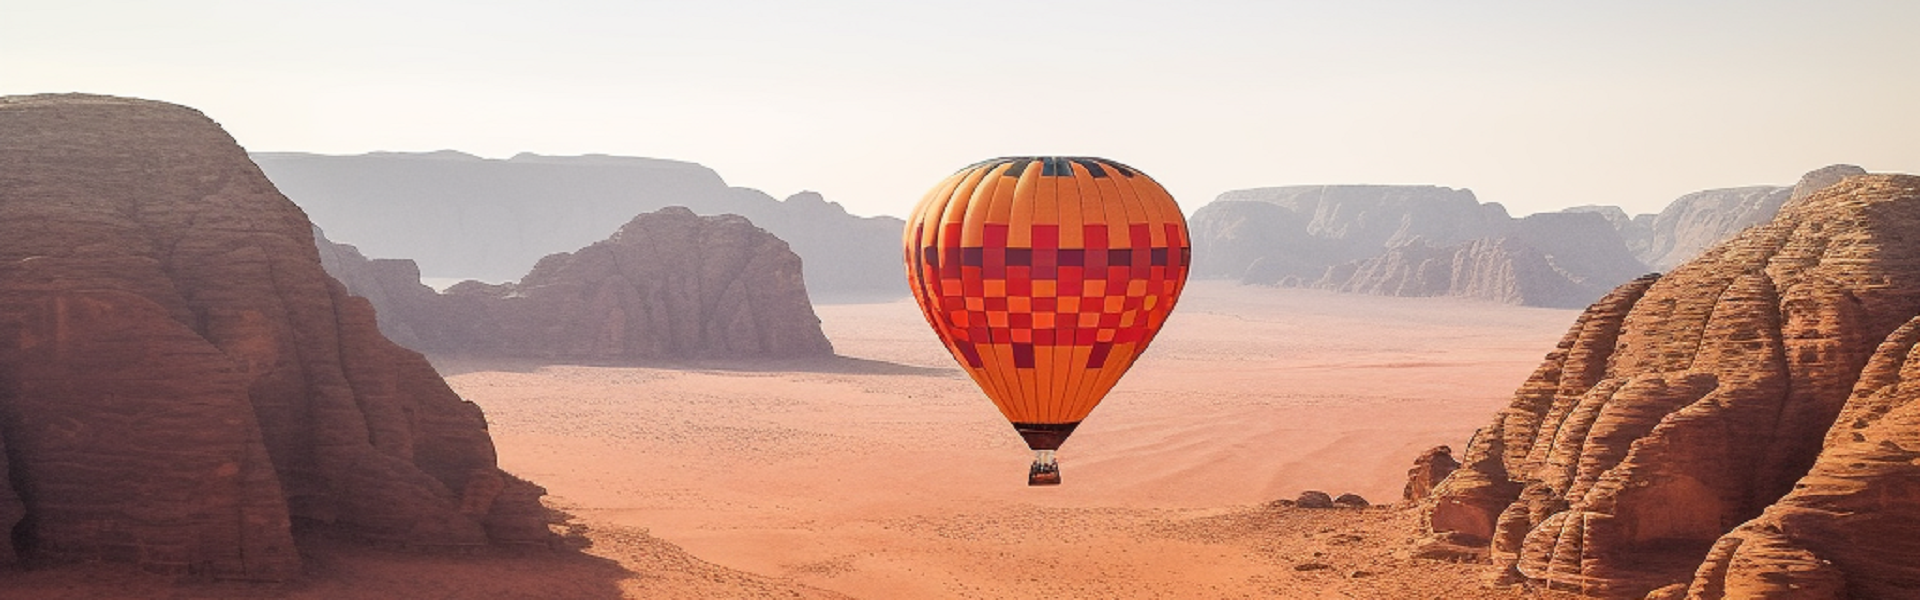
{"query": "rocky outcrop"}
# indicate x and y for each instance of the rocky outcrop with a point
(1428, 470)
(1635, 231)
(1679, 407)
(393, 287)
(1851, 527)
(1696, 221)
(1264, 235)
(180, 382)
(1408, 241)
(465, 217)
(668, 285)
(1692, 223)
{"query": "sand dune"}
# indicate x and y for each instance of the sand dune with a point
(885, 474)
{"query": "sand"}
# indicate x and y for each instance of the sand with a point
(884, 473)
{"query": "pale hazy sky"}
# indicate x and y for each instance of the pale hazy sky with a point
(1537, 105)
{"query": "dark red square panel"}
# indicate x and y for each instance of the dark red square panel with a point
(996, 234)
(1096, 236)
(1047, 237)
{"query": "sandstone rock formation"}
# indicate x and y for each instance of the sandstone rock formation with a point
(465, 217)
(181, 383)
(668, 285)
(1297, 231)
(1692, 223)
(1636, 231)
(1428, 470)
(1408, 241)
(1851, 527)
(1679, 407)
(1701, 219)
(393, 287)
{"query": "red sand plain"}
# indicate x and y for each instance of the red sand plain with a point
(884, 473)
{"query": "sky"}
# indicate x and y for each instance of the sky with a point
(1535, 105)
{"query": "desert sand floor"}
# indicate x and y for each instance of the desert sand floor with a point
(883, 473)
(886, 474)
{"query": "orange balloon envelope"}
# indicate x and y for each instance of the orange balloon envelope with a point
(1046, 277)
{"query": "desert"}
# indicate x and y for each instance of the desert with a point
(750, 299)
(882, 473)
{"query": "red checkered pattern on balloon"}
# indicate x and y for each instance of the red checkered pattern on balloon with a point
(1048, 296)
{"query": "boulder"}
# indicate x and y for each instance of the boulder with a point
(1313, 499)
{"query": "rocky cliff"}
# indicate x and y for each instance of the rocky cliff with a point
(1696, 221)
(667, 285)
(465, 217)
(1297, 231)
(1761, 383)
(181, 383)
(1408, 241)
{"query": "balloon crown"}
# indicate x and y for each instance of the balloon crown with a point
(1057, 166)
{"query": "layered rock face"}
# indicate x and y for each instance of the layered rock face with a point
(1679, 407)
(667, 285)
(465, 217)
(180, 382)
(1696, 221)
(391, 285)
(1408, 241)
(1851, 527)
(1297, 231)
(1552, 259)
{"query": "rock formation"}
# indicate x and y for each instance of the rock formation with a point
(1851, 527)
(1297, 231)
(1408, 241)
(1701, 219)
(1692, 223)
(1428, 470)
(1679, 407)
(668, 285)
(180, 382)
(465, 217)
(1636, 231)
(393, 287)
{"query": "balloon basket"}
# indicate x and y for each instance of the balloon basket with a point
(1045, 469)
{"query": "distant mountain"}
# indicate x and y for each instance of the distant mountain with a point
(460, 216)
(667, 285)
(1404, 240)
(1696, 221)
(1408, 241)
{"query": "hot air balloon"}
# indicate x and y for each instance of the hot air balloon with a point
(1046, 277)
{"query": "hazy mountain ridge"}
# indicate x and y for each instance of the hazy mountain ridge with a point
(464, 217)
(667, 285)
(1437, 241)
(1408, 241)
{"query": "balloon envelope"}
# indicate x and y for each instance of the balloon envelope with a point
(1046, 277)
